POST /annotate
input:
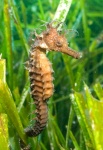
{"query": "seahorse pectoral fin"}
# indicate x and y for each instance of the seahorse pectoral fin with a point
(72, 53)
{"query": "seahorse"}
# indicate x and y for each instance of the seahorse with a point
(41, 73)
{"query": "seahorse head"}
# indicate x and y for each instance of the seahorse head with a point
(51, 39)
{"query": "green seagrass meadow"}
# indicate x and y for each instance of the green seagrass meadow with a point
(75, 111)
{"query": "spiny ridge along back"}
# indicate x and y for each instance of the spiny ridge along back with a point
(41, 73)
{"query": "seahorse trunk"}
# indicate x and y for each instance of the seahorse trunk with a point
(40, 72)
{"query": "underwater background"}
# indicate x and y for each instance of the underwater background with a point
(76, 108)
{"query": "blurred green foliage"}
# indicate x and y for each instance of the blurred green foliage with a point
(73, 121)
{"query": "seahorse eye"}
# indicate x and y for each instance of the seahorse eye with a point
(40, 37)
(59, 44)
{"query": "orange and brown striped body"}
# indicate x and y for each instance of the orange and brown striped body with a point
(40, 72)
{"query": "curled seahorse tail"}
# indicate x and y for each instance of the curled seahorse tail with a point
(41, 120)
